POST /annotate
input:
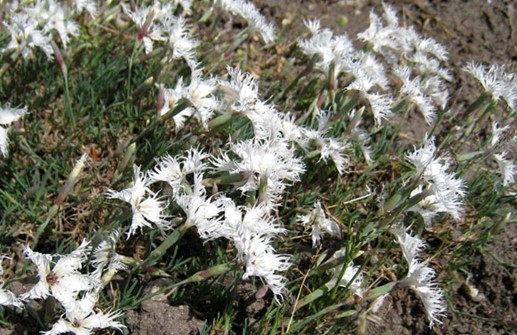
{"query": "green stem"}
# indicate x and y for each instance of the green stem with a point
(51, 214)
(474, 120)
(181, 106)
(68, 105)
(172, 239)
(379, 291)
(136, 48)
(262, 193)
(318, 293)
(196, 277)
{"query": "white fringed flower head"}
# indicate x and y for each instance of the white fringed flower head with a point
(261, 260)
(81, 319)
(89, 5)
(420, 277)
(179, 39)
(250, 13)
(256, 220)
(380, 105)
(146, 207)
(328, 147)
(332, 52)
(201, 211)
(270, 161)
(506, 168)
(200, 95)
(174, 170)
(26, 35)
(496, 82)
(320, 224)
(8, 115)
(158, 25)
(63, 280)
(52, 16)
(351, 279)
(240, 91)
(413, 91)
(444, 191)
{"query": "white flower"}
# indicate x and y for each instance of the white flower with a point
(382, 38)
(158, 24)
(351, 278)
(414, 92)
(240, 91)
(201, 212)
(430, 46)
(249, 12)
(172, 96)
(331, 51)
(269, 161)
(52, 16)
(25, 36)
(420, 277)
(179, 39)
(168, 170)
(174, 170)
(496, 82)
(82, 320)
(260, 259)
(146, 210)
(380, 105)
(367, 69)
(255, 220)
(320, 224)
(105, 257)
(63, 281)
(200, 95)
(444, 191)
(328, 147)
(506, 167)
(89, 5)
(498, 132)
(240, 95)
(7, 116)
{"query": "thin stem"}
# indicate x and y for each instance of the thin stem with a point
(172, 239)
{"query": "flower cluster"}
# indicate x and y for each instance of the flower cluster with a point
(158, 24)
(423, 84)
(147, 208)
(336, 55)
(37, 24)
(441, 191)
(420, 276)
(249, 173)
(77, 292)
